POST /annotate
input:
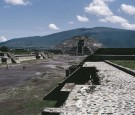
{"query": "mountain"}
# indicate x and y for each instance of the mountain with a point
(109, 37)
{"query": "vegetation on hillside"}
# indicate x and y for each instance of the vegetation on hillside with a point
(4, 49)
(109, 37)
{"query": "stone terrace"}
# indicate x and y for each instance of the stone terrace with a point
(114, 96)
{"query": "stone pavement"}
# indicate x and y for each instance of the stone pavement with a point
(114, 96)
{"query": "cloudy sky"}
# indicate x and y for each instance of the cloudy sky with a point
(21, 18)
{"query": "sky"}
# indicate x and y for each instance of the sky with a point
(23, 18)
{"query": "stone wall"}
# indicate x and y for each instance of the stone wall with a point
(0, 60)
(26, 58)
(7, 57)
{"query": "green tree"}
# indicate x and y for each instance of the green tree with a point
(4, 49)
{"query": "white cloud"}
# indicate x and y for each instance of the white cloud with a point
(129, 26)
(119, 20)
(99, 8)
(3, 39)
(71, 22)
(128, 9)
(102, 20)
(114, 19)
(108, 0)
(17, 2)
(53, 26)
(82, 18)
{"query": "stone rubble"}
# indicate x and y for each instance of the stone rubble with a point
(114, 96)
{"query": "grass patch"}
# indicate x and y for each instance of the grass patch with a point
(39, 104)
(126, 63)
(1, 113)
(36, 106)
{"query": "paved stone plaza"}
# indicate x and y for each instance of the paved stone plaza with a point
(114, 96)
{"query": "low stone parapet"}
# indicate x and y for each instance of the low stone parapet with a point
(26, 58)
(125, 69)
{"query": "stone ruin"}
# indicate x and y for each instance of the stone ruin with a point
(7, 57)
(95, 87)
(79, 45)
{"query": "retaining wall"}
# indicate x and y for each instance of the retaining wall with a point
(26, 58)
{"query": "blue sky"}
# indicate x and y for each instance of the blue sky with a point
(21, 18)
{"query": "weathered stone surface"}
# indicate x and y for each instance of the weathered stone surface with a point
(68, 87)
(115, 95)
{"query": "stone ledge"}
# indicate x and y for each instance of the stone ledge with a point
(51, 111)
(125, 69)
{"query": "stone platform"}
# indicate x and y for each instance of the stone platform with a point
(114, 96)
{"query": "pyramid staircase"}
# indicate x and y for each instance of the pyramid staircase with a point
(43, 55)
(13, 58)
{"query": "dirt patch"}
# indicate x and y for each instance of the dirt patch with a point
(22, 90)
